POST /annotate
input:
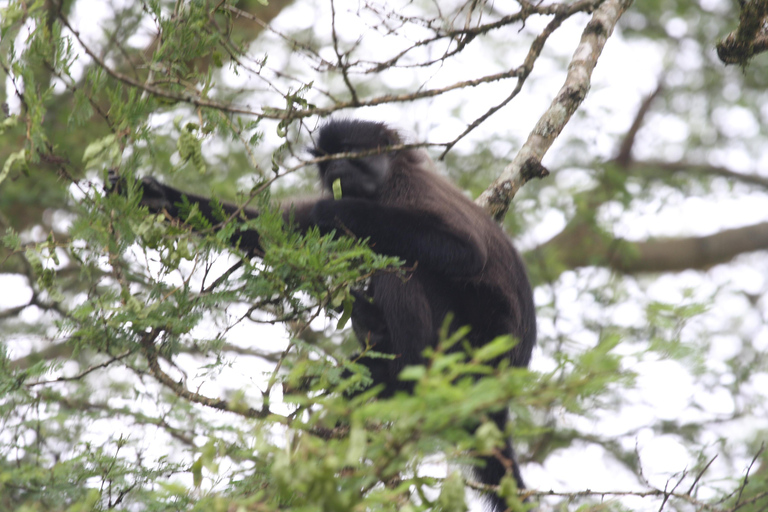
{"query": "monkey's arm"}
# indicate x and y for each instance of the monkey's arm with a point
(413, 235)
(161, 198)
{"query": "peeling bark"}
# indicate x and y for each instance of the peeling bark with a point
(750, 38)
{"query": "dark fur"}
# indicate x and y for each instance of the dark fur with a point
(465, 264)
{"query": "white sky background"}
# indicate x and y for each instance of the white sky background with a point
(625, 73)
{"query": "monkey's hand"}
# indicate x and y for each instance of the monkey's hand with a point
(153, 192)
(368, 321)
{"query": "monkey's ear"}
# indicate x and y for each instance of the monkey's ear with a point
(153, 193)
(154, 196)
(315, 151)
(114, 184)
(390, 137)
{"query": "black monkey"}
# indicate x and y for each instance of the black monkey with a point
(464, 263)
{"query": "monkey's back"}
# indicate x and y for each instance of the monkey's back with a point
(496, 301)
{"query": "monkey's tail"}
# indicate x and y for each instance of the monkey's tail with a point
(493, 470)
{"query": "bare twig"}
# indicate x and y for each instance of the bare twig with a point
(602, 495)
(701, 474)
(466, 34)
(746, 476)
(85, 372)
(525, 70)
(339, 57)
(625, 149)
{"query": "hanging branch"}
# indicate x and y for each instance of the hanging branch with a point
(750, 38)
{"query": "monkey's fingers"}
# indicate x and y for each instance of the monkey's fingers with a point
(154, 196)
(114, 184)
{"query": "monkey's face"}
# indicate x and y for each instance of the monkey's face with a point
(360, 177)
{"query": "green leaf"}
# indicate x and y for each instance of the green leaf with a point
(357, 443)
(452, 494)
(197, 472)
(10, 122)
(103, 152)
(496, 348)
(347, 313)
(19, 156)
(413, 373)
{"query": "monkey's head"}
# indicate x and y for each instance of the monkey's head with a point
(360, 177)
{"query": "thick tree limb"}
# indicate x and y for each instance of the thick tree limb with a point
(582, 245)
(497, 197)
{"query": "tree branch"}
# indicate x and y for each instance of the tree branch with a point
(625, 149)
(497, 197)
(82, 405)
(654, 169)
(581, 245)
(463, 36)
(148, 347)
(563, 13)
(193, 98)
(750, 38)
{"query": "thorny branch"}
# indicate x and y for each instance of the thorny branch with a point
(83, 373)
(462, 36)
(497, 198)
(667, 496)
(150, 352)
(525, 69)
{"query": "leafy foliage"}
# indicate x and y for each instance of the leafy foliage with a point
(147, 367)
